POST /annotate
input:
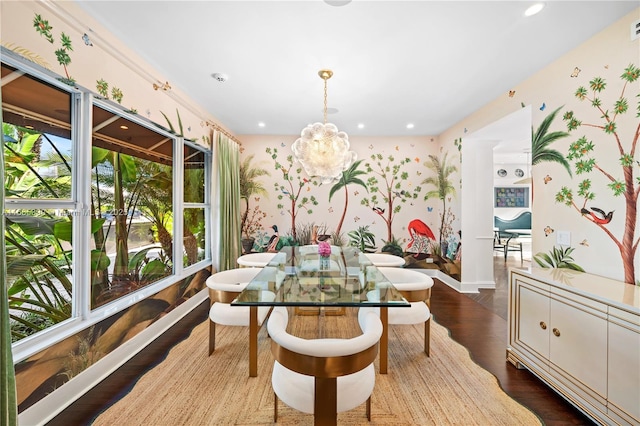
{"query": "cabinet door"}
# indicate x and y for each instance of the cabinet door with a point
(578, 344)
(533, 328)
(624, 368)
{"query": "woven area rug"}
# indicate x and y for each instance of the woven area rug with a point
(191, 388)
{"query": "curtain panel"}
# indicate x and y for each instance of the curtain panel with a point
(7, 372)
(229, 202)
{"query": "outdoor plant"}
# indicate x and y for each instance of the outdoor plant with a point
(363, 239)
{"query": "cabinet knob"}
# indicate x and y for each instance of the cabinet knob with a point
(543, 325)
(556, 332)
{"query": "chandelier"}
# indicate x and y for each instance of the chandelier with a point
(322, 150)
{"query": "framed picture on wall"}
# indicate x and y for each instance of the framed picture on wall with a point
(511, 196)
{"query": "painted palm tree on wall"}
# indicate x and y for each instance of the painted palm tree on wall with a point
(250, 185)
(349, 177)
(442, 184)
(581, 152)
(540, 141)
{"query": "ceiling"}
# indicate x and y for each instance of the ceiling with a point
(430, 63)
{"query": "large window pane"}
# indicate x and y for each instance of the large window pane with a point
(132, 192)
(37, 137)
(194, 179)
(194, 235)
(39, 269)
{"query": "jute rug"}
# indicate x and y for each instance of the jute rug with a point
(191, 388)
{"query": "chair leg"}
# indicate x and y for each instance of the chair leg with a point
(369, 408)
(427, 336)
(212, 337)
(275, 408)
(521, 258)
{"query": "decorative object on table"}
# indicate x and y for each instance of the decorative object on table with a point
(324, 251)
(502, 172)
(322, 150)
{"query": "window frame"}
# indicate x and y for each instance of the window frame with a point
(82, 316)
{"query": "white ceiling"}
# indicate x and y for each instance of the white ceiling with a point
(430, 63)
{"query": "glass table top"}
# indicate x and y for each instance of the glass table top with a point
(298, 276)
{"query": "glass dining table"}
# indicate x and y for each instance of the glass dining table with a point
(298, 276)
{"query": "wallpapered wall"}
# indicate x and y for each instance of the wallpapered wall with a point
(403, 164)
(580, 189)
(603, 60)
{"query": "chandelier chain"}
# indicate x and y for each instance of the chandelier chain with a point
(325, 101)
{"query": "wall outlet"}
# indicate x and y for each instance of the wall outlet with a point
(563, 238)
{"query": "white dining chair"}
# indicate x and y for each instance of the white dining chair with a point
(323, 376)
(416, 289)
(255, 260)
(384, 259)
(224, 287)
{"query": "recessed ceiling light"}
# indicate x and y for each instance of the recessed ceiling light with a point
(337, 3)
(360, 126)
(123, 127)
(533, 9)
(261, 124)
(221, 77)
(410, 126)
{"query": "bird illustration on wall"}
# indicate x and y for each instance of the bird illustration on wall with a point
(597, 215)
(420, 235)
(378, 210)
(273, 241)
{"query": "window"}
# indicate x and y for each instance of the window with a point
(90, 228)
(131, 205)
(38, 181)
(196, 205)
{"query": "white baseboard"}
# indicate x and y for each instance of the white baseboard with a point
(51, 405)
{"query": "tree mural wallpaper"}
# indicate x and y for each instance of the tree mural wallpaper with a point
(443, 189)
(387, 185)
(581, 153)
(292, 188)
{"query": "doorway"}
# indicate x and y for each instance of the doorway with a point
(512, 132)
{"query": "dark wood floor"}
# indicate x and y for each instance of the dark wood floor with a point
(478, 325)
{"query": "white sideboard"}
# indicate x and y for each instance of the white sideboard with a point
(580, 334)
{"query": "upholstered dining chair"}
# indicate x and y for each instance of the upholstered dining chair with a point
(416, 288)
(255, 260)
(224, 287)
(323, 376)
(384, 259)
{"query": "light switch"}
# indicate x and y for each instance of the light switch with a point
(563, 238)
